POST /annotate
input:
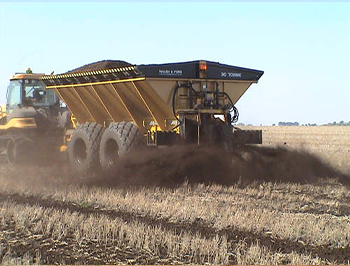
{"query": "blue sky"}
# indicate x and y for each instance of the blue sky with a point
(304, 48)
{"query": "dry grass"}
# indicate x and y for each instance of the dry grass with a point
(263, 223)
(294, 212)
(74, 232)
(329, 142)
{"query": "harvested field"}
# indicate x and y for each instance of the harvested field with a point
(330, 143)
(257, 205)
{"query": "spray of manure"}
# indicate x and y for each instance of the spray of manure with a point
(170, 167)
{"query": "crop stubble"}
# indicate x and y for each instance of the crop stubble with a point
(239, 216)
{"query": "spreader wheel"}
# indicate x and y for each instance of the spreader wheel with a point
(118, 139)
(83, 149)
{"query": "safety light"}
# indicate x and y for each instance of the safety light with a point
(202, 69)
(202, 65)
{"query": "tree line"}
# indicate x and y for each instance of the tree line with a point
(340, 123)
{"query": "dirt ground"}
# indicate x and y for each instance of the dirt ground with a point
(256, 205)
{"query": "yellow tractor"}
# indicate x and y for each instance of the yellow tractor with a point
(2, 118)
(2, 111)
(32, 122)
(117, 109)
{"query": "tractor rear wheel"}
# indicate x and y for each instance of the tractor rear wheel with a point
(118, 139)
(83, 150)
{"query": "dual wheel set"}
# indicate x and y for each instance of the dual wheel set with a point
(93, 148)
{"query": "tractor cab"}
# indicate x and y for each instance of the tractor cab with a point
(27, 90)
(33, 119)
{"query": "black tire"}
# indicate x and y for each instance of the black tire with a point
(83, 150)
(18, 152)
(118, 139)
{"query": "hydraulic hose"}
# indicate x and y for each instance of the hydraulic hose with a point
(235, 116)
(194, 93)
(189, 87)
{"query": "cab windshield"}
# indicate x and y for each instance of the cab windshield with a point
(30, 92)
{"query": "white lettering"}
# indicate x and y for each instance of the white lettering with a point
(164, 72)
(172, 72)
(234, 75)
(231, 75)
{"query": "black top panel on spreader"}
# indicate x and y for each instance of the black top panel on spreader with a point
(192, 70)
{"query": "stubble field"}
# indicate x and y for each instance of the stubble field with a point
(287, 202)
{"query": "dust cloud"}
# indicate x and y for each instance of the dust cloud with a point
(170, 167)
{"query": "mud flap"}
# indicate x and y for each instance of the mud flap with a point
(241, 137)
